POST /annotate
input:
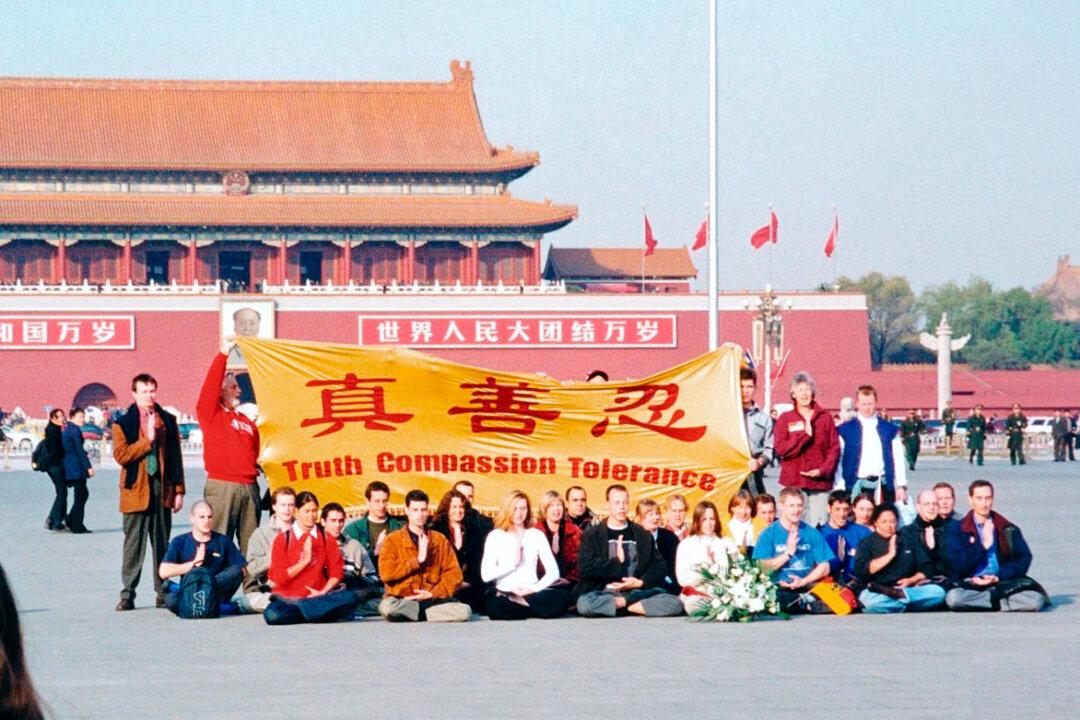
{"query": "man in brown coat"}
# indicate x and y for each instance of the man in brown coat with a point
(146, 444)
(420, 571)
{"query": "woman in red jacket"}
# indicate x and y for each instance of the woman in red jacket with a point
(306, 571)
(808, 446)
(563, 536)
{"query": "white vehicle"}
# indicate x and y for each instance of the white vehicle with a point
(1039, 425)
(24, 440)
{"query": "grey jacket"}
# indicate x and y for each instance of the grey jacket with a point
(258, 551)
(759, 429)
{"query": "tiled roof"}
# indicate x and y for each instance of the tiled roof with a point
(250, 126)
(399, 211)
(901, 387)
(604, 263)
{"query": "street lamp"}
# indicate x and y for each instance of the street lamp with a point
(768, 335)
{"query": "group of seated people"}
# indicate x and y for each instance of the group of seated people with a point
(307, 565)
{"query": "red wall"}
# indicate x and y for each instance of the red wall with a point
(176, 347)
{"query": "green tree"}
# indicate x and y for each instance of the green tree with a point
(1001, 353)
(1020, 324)
(892, 308)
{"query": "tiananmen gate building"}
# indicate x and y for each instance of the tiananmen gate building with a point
(142, 220)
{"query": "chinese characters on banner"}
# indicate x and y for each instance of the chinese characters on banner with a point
(335, 417)
(519, 330)
(67, 332)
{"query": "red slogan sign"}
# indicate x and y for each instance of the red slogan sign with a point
(67, 332)
(519, 331)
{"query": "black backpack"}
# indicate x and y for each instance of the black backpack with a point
(198, 595)
(41, 459)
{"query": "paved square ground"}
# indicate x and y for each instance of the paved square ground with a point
(91, 662)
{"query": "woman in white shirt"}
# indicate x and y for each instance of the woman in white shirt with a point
(511, 553)
(703, 546)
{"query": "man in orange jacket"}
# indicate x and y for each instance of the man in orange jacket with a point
(420, 571)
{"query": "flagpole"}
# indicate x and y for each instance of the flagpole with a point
(772, 241)
(644, 250)
(713, 251)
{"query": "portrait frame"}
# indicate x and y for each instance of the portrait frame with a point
(227, 325)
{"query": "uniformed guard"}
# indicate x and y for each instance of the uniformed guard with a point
(948, 419)
(1014, 428)
(976, 434)
(911, 430)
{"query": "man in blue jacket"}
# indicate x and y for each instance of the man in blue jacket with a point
(76, 469)
(871, 453)
(990, 559)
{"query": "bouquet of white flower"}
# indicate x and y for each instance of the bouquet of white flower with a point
(744, 593)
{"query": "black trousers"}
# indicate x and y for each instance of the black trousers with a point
(59, 506)
(78, 504)
(549, 603)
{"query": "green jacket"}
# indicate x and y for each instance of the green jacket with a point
(1014, 428)
(948, 417)
(912, 429)
(976, 431)
(358, 530)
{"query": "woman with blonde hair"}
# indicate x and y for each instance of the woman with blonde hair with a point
(703, 546)
(675, 516)
(563, 536)
(511, 553)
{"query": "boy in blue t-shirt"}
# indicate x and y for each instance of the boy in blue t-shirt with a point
(203, 548)
(794, 551)
(842, 536)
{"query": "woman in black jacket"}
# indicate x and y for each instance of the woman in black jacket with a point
(894, 570)
(54, 443)
(467, 537)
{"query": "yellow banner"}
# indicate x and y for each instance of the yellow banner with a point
(335, 417)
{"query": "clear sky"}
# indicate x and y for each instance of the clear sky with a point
(948, 134)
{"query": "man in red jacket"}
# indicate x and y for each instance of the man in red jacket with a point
(806, 441)
(230, 453)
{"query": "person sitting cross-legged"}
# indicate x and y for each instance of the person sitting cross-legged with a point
(989, 559)
(307, 570)
(843, 536)
(796, 553)
(893, 570)
(928, 531)
(702, 546)
(620, 567)
(360, 574)
(257, 585)
(419, 570)
(202, 552)
(372, 529)
(512, 552)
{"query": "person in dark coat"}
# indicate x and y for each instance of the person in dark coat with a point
(76, 469)
(667, 542)
(467, 538)
(54, 443)
(989, 559)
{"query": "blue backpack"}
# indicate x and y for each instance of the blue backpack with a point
(197, 596)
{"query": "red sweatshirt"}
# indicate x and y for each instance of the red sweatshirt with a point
(230, 439)
(325, 562)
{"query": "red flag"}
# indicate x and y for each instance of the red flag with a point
(765, 234)
(702, 236)
(650, 241)
(830, 244)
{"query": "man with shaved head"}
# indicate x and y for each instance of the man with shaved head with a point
(202, 551)
(928, 530)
